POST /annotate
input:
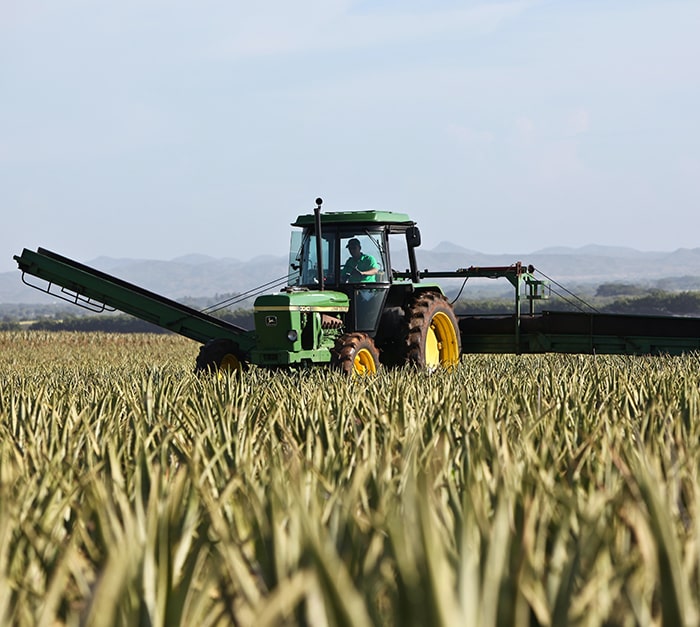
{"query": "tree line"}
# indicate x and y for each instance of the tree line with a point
(119, 323)
(624, 301)
(653, 302)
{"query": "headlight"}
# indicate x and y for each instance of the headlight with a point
(292, 335)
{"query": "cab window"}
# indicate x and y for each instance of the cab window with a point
(362, 258)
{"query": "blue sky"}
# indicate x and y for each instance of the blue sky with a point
(155, 128)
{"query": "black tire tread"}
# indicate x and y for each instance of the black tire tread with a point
(419, 314)
(212, 353)
(346, 348)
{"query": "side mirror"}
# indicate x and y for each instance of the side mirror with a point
(413, 237)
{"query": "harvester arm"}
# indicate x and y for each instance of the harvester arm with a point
(513, 273)
(96, 290)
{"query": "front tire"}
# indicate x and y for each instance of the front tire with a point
(355, 354)
(220, 355)
(432, 332)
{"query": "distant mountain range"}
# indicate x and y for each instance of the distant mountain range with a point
(197, 276)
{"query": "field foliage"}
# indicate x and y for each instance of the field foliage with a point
(515, 490)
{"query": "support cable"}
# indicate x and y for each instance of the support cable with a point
(255, 291)
(569, 292)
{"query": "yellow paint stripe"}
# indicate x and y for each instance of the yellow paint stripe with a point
(304, 308)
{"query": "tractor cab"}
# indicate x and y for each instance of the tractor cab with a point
(356, 259)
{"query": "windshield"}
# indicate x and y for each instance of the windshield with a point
(303, 260)
(295, 250)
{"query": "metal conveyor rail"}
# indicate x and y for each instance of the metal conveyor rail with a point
(91, 288)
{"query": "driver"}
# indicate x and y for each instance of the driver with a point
(359, 268)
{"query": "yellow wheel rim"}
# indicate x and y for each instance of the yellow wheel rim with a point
(231, 363)
(441, 345)
(364, 363)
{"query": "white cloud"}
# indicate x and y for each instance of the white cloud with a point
(469, 136)
(578, 121)
(525, 127)
(314, 25)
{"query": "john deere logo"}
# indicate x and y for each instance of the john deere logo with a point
(271, 321)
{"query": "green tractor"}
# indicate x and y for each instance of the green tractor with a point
(344, 305)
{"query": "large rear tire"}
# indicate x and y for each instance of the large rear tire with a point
(432, 332)
(355, 354)
(220, 355)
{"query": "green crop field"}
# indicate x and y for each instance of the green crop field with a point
(515, 490)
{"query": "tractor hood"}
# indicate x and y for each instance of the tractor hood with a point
(297, 326)
(302, 300)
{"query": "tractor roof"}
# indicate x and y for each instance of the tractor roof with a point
(352, 218)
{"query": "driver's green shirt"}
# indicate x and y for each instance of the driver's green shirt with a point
(362, 263)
